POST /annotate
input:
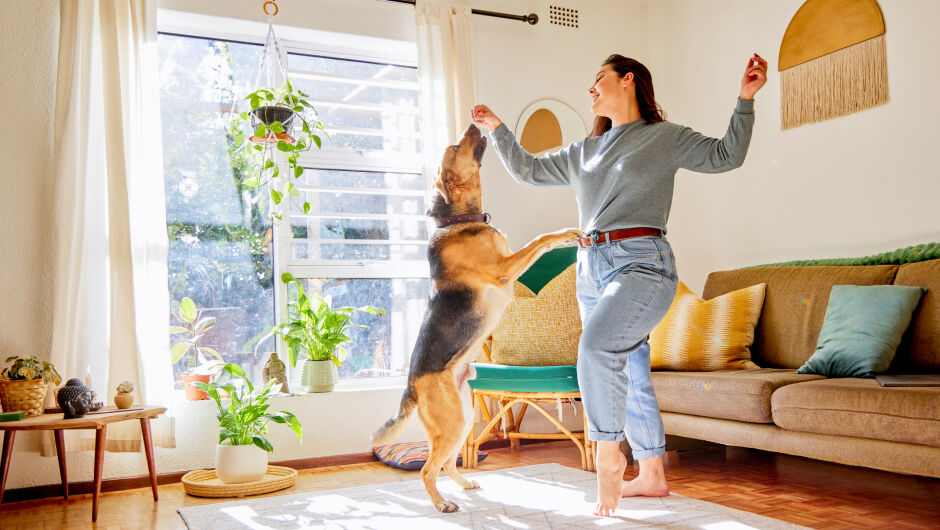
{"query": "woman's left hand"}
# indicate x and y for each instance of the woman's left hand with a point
(754, 77)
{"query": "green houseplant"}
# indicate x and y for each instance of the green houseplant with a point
(200, 368)
(318, 329)
(242, 452)
(281, 120)
(24, 383)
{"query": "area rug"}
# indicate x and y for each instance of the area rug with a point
(536, 497)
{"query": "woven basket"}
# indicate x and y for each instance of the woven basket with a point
(23, 395)
(205, 483)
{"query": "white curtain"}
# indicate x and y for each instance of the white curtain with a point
(447, 76)
(110, 275)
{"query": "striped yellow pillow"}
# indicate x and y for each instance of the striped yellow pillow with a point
(700, 336)
(540, 330)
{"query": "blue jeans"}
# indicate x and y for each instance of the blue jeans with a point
(624, 289)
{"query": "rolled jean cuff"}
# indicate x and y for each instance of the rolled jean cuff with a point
(603, 436)
(643, 454)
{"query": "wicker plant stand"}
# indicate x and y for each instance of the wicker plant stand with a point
(205, 483)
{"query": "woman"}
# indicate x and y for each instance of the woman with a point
(623, 177)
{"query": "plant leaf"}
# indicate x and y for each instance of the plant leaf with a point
(276, 126)
(188, 309)
(203, 325)
(262, 442)
(178, 351)
(306, 207)
(276, 196)
(261, 131)
(212, 352)
(176, 329)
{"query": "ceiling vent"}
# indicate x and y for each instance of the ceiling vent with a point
(563, 16)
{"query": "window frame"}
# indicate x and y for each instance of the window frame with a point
(336, 46)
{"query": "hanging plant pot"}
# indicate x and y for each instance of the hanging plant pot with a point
(270, 114)
(267, 116)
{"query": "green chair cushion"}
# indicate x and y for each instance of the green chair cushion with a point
(525, 378)
(551, 264)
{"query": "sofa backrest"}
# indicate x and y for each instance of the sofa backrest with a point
(794, 305)
(920, 347)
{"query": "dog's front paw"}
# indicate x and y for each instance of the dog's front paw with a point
(447, 507)
(568, 235)
(471, 485)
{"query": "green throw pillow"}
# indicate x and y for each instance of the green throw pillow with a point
(862, 329)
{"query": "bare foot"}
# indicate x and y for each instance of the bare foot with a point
(610, 468)
(646, 485)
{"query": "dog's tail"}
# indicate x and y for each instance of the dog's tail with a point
(397, 424)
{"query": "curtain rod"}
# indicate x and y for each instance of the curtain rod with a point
(531, 18)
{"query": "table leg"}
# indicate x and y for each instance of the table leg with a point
(8, 436)
(148, 447)
(99, 463)
(60, 454)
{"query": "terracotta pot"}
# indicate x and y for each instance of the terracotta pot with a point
(124, 401)
(193, 393)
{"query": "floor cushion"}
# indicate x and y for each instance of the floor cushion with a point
(410, 456)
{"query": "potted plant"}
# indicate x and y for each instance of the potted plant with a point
(201, 368)
(124, 399)
(282, 120)
(23, 385)
(318, 329)
(242, 453)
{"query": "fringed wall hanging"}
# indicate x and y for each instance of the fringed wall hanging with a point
(832, 61)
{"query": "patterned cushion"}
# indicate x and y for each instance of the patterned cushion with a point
(542, 329)
(703, 336)
(410, 456)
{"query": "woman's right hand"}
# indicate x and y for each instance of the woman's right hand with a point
(482, 115)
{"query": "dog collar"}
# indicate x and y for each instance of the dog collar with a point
(465, 218)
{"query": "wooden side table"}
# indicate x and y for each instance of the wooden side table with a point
(98, 420)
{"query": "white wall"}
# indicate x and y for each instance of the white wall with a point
(518, 64)
(854, 186)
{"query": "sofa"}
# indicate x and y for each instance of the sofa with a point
(846, 420)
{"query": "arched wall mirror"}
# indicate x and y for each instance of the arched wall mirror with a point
(548, 125)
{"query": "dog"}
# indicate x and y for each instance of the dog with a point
(472, 273)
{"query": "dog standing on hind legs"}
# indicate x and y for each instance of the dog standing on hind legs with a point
(472, 272)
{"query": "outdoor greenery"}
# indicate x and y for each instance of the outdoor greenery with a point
(244, 419)
(317, 328)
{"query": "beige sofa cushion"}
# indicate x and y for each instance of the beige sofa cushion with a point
(920, 348)
(794, 305)
(742, 395)
(860, 407)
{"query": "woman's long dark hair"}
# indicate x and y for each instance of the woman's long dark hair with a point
(650, 111)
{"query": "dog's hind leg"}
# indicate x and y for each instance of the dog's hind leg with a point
(441, 413)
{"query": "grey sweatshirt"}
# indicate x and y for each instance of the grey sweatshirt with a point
(624, 178)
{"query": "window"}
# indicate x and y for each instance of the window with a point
(364, 240)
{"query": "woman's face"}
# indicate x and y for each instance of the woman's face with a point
(609, 91)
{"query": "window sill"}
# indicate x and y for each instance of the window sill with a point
(346, 386)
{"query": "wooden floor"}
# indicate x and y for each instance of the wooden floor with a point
(799, 490)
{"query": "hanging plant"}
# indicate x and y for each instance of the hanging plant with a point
(282, 120)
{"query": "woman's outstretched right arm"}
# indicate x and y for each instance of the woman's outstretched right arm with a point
(548, 170)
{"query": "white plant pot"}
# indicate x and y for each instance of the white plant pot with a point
(318, 376)
(237, 464)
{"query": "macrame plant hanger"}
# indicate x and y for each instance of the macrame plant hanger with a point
(275, 59)
(832, 61)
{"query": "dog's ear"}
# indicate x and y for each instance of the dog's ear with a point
(441, 186)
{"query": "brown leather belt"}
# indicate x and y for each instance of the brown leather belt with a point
(617, 235)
